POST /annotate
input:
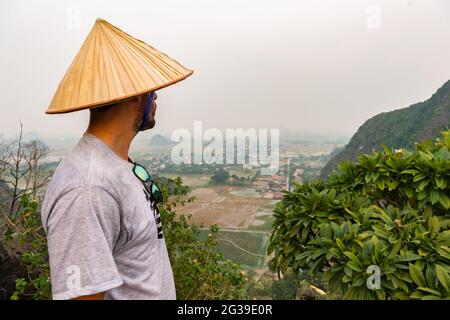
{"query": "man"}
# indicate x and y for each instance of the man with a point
(100, 210)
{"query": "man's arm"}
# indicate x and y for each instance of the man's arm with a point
(97, 296)
(81, 234)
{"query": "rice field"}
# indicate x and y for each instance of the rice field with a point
(244, 217)
(244, 247)
(223, 206)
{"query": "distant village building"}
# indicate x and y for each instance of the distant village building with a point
(277, 196)
(261, 185)
(267, 195)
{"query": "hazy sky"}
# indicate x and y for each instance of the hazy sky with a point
(309, 66)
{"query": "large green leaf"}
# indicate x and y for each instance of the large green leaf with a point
(354, 266)
(443, 277)
(416, 275)
(407, 257)
(429, 290)
(352, 257)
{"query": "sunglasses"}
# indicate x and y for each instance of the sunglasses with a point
(143, 175)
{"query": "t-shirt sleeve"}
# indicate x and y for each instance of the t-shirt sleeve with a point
(82, 228)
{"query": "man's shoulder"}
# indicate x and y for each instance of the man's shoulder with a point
(78, 177)
(83, 167)
(87, 165)
(90, 165)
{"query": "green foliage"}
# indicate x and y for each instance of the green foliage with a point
(221, 176)
(390, 209)
(286, 288)
(25, 235)
(293, 286)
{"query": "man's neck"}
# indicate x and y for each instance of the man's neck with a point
(117, 140)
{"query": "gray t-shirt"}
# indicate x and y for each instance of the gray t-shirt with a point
(103, 232)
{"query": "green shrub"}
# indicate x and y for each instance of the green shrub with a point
(25, 237)
(220, 176)
(390, 209)
(286, 288)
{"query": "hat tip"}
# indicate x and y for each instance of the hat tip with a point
(99, 20)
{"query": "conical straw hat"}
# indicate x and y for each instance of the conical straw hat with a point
(112, 66)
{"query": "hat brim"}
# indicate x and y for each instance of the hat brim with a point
(115, 100)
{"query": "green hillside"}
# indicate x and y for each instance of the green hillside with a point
(399, 128)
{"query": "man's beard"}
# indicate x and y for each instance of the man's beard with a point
(149, 123)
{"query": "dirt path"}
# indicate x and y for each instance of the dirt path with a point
(240, 248)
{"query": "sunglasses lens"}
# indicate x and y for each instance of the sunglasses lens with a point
(156, 193)
(145, 177)
(141, 173)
